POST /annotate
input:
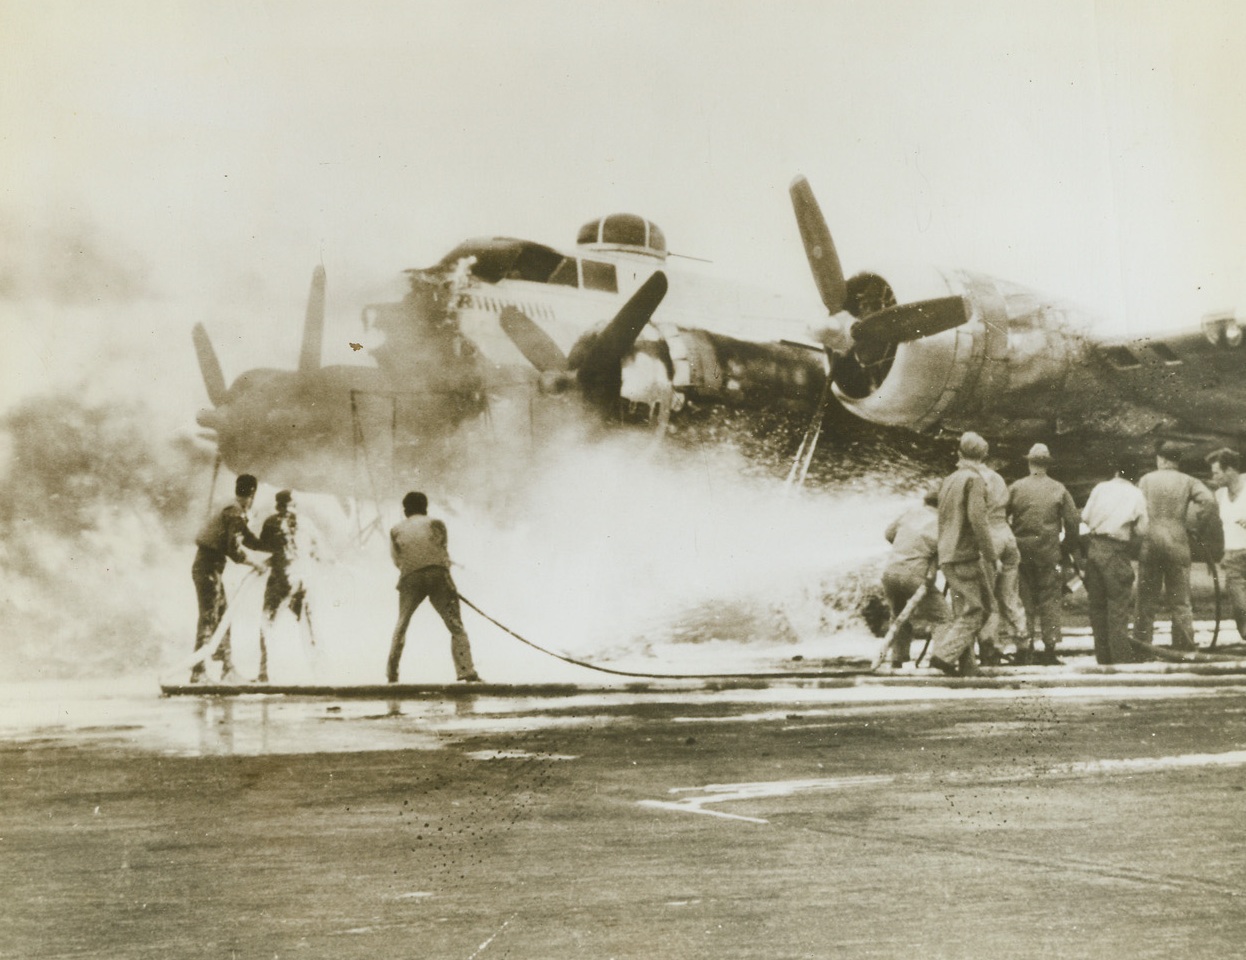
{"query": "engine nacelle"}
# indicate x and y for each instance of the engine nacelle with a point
(996, 373)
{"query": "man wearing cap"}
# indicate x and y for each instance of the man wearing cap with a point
(1116, 520)
(1165, 560)
(418, 546)
(279, 536)
(1038, 509)
(221, 538)
(1008, 624)
(966, 556)
(914, 561)
(1226, 476)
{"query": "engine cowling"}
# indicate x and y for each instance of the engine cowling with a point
(996, 371)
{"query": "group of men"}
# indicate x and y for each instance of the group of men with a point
(418, 548)
(1002, 550)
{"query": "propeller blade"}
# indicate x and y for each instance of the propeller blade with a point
(607, 347)
(209, 366)
(313, 324)
(537, 346)
(910, 321)
(819, 247)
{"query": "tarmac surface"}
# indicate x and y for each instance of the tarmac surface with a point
(906, 816)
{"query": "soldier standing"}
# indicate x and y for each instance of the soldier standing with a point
(1038, 508)
(1008, 623)
(966, 556)
(1165, 560)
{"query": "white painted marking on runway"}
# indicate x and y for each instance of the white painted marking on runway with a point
(725, 792)
(480, 949)
(714, 793)
(1233, 758)
(690, 807)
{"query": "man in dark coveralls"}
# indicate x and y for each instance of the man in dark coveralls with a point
(1038, 508)
(418, 546)
(1165, 560)
(966, 556)
(221, 538)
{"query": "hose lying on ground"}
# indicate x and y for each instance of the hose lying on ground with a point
(808, 675)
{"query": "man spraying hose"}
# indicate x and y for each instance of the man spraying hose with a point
(418, 546)
(222, 537)
(280, 536)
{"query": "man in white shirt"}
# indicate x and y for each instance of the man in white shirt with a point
(1226, 477)
(1116, 518)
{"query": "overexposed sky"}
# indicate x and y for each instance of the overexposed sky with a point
(166, 163)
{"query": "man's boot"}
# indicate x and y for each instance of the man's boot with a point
(1049, 658)
(989, 655)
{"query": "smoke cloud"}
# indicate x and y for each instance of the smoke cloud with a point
(95, 513)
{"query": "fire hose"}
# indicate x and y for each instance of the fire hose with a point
(790, 675)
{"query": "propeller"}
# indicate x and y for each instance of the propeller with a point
(313, 324)
(537, 346)
(209, 365)
(595, 360)
(872, 337)
(819, 247)
(873, 333)
(309, 354)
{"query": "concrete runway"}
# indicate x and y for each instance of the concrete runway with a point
(786, 820)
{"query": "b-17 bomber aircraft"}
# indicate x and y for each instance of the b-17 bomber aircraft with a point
(614, 331)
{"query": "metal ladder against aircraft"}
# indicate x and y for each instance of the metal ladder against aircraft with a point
(363, 461)
(809, 442)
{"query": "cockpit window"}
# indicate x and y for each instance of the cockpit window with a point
(1166, 353)
(500, 258)
(623, 228)
(566, 274)
(657, 239)
(588, 232)
(600, 276)
(1122, 358)
(535, 263)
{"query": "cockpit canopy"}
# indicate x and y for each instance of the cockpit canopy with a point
(505, 258)
(623, 231)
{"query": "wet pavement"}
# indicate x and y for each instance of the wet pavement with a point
(1087, 815)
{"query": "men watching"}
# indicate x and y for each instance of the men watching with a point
(418, 546)
(1038, 508)
(914, 561)
(966, 556)
(1116, 520)
(1008, 624)
(222, 537)
(1226, 477)
(1165, 559)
